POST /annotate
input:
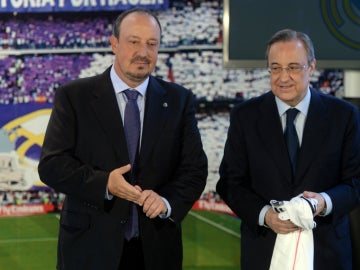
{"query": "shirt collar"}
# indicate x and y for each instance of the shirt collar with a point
(302, 106)
(120, 86)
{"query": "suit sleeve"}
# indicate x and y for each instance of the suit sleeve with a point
(234, 185)
(189, 177)
(59, 167)
(346, 195)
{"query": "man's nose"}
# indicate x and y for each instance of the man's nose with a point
(142, 49)
(284, 74)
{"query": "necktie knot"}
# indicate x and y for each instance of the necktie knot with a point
(291, 115)
(131, 94)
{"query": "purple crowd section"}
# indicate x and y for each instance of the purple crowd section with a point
(33, 65)
(182, 25)
(34, 78)
(33, 31)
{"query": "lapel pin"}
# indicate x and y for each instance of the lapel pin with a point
(165, 105)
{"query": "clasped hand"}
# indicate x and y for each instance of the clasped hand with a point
(273, 221)
(151, 202)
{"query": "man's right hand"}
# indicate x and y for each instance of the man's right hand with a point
(119, 187)
(273, 221)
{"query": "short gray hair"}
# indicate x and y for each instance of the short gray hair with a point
(290, 35)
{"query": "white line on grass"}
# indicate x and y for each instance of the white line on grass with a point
(47, 239)
(212, 223)
(26, 240)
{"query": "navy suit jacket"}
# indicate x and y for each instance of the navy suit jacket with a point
(85, 141)
(256, 169)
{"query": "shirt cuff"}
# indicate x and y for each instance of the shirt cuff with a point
(108, 196)
(328, 208)
(262, 215)
(168, 212)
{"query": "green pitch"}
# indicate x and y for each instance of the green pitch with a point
(211, 242)
(28, 243)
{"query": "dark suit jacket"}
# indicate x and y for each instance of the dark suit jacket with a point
(85, 141)
(255, 169)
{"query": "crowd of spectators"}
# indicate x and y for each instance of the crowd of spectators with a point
(42, 31)
(29, 77)
(34, 78)
(182, 25)
(46, 196)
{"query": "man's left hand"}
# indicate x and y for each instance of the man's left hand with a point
(321, 201)
(152, 203)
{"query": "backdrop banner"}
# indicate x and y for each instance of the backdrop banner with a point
(22, 131)
(22, 6)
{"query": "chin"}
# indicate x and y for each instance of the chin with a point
(289, 99)
(139, 76)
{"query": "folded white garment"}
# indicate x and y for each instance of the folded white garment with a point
(295, 251)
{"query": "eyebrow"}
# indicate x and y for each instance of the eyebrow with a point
(292, 63)
(137, 37)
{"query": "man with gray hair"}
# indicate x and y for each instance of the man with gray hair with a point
(292, 140)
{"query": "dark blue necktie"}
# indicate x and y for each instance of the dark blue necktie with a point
(291, 137)
(132, 133)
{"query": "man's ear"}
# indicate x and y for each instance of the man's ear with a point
(312, 67)
(113, 42)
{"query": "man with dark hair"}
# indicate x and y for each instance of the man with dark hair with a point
(125, 149)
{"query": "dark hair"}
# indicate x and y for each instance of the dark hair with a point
(120, 18)
(290, 35)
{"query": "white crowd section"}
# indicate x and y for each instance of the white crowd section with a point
(27, 77)
(200, 71)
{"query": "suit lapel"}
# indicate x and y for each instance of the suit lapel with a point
(271, 134)
(314, 134)
(154, 117)
(104, 105)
